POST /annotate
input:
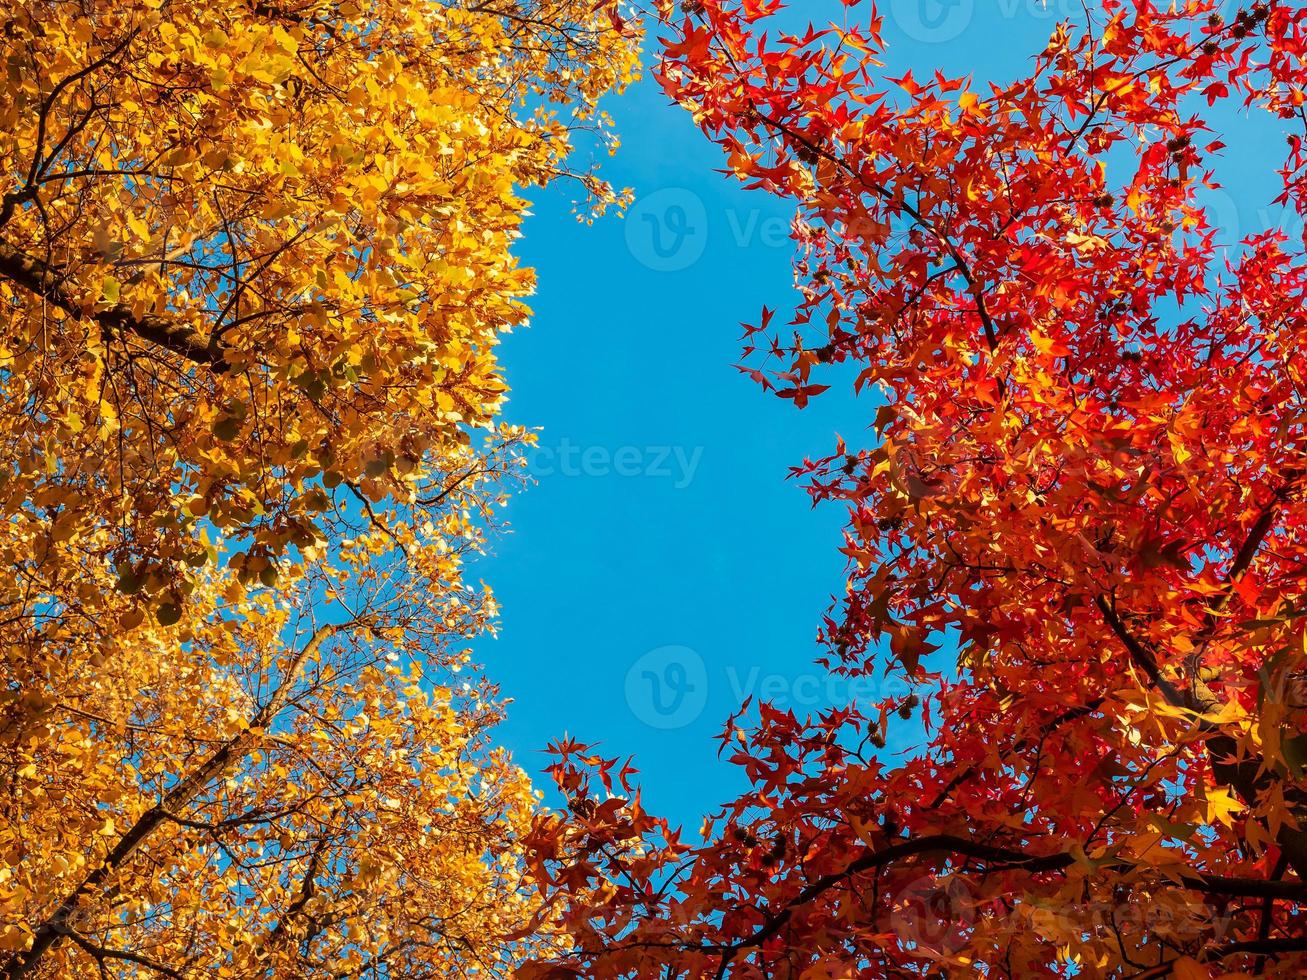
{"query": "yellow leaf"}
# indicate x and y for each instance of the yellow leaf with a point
(1222, 805)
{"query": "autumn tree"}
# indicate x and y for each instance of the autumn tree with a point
(1077, 528)
(254, 262)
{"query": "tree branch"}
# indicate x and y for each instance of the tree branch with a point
(1139, 655)
(1000, 859)
(47, 282)
(182, 793)
(102, 953)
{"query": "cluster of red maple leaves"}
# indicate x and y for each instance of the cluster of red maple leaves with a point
(1078, 529)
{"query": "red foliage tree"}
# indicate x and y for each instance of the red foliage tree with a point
(1088, 478)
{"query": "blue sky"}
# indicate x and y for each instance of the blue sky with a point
(663, 567)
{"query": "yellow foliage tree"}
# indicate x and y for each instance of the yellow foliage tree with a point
(286, 783)
(254, 262)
